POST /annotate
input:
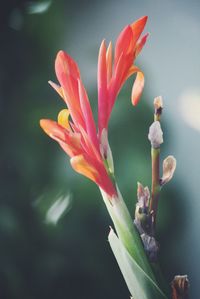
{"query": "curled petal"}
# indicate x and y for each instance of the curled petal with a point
(138, 86)
(80, 165)
(63, 119)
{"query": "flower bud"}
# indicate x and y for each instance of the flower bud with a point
(142, 217)
(169, 166)
(151, 247)
(143, 196)
(158, 103)
(155, 134)
(180, 286)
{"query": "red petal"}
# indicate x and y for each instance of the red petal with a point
(64, 64)
(102, 88)
(123, 44)
(109, 62)
(87, 114)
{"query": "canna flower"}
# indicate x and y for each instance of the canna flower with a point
(75, 129)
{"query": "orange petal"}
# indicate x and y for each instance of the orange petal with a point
(63, 119)
(52, 129)
(80, 165)
(138, 86)
(138, 27)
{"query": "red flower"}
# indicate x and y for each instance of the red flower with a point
(89, 151)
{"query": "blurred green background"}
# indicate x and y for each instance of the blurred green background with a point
(45, 253)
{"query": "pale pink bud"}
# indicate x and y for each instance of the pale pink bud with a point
(155, 134)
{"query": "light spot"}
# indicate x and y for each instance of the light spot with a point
(190, 108)
(38, 8)
(57, 210)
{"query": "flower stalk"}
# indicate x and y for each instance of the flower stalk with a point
(156, 139)
(155, 188)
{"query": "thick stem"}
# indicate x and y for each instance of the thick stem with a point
(126, 230)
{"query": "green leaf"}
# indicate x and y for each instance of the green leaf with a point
(140, 285)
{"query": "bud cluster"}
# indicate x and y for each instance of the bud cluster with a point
(147, 202)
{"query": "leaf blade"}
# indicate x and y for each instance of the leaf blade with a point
(140, 285)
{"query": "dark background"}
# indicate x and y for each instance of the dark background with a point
(70, 257)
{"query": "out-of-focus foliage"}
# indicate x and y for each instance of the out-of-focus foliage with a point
(71, 259)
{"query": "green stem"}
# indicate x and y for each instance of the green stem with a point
(126, 230)
(155, 186)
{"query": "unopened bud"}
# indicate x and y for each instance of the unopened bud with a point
(151, 247)
(155, 134)
(142, 217)
(143, 195)
(158, 103)
(169, 166)
(180, 286)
